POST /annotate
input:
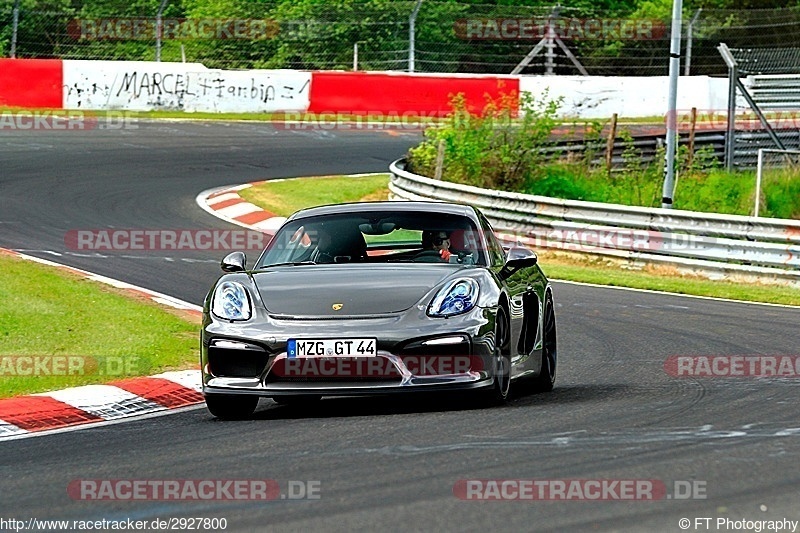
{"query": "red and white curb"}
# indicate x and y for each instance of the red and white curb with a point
(24, 415)
(229, 206)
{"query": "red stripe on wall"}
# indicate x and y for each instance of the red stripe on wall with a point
(31, 83)
(363, 93)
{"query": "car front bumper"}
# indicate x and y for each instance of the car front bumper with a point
(412, 356)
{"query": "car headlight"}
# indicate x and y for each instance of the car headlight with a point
(231, 302)
(455, 298)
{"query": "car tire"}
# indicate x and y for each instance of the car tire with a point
(546, 379)
(300, 400)
(231, 407)
(500, 390)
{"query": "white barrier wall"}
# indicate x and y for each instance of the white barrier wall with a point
(245, 91)
(129, 85)
(601, 97)
(145, 86)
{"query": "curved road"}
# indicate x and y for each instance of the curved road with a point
(392, 463)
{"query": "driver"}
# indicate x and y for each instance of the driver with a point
(439, 241)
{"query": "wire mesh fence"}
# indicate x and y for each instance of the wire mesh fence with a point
(431, 36)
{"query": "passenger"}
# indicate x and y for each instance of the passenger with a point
(439, 241)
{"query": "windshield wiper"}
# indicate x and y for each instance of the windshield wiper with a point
(290, 263)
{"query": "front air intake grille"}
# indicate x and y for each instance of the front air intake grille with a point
(237, 362)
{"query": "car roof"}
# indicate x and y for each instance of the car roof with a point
(398, 206)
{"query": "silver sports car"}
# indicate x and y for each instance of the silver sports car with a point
(378, 298)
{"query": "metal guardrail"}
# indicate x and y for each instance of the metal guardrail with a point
(747, 143)
(707, 242)
(646, 145)
(775, 92)
(746, 146)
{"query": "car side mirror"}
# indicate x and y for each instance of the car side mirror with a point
(234, 262)
(518, 257)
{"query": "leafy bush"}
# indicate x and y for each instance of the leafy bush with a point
(493, 149)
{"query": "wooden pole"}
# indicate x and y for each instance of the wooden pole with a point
(692, 127)
(612, 135)
(439, 160)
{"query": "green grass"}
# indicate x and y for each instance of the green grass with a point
(285, 197)
(266, 117)
(46, 312)
(256, 117)
(306, 192)
(715, 191)
(601, 271)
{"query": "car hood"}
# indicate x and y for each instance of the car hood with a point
(314, 290)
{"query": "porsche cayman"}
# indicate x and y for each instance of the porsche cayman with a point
(378, 298)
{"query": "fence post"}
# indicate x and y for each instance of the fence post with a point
(689, 37)
(160, 28)
(412, 30)
(14, 27)
(733, 74)
(550, 48)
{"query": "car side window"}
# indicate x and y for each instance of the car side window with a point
(495, 249)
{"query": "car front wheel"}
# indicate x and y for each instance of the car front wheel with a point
(500, 390)
(546, 379)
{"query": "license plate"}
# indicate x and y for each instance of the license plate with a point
(331, 348)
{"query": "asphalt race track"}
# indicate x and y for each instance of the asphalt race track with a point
(391, 464)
